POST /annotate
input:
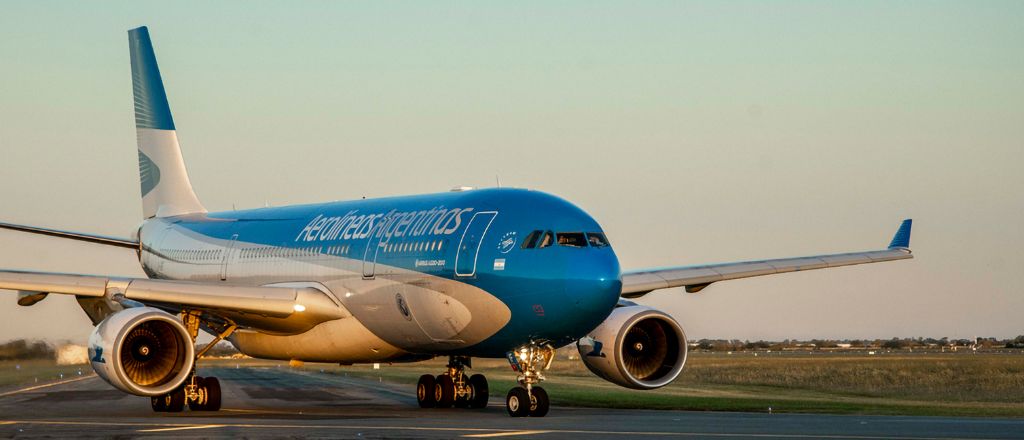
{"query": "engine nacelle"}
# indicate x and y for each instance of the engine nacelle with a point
(636, 347)
(142, 351)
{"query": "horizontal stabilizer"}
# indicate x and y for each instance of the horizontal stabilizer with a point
(91, 238)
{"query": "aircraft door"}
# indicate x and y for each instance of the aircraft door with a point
(228, 251)
(373, 246)
(469, 246)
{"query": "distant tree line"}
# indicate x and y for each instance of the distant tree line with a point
(857, 344)
(21, 349)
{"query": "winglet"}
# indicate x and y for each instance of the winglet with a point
(902, 238)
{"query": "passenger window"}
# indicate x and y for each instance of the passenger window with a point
(531, 240)
(572, 239)
(597, 239)
(548, 240)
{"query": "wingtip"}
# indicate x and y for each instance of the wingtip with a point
(902, 238)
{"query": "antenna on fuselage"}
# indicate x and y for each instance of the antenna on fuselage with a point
(497, 179)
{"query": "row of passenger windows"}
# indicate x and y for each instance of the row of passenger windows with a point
(543, 239)
(416, 246)
(194, 254)
(278, 252)
(259, 253)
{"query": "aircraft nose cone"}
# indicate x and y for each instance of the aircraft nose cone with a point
(594, 285)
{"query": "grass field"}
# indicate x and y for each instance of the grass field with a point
(894, 384)
(14, 374)
(961, 384)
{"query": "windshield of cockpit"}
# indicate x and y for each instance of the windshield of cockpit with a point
(540, 239)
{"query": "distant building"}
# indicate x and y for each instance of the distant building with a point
(71, 354)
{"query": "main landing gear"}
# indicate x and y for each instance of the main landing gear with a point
(199, 393)
(453, 388)
(529, 399)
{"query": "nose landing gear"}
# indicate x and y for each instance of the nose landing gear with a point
(529, 399)
(453, 388)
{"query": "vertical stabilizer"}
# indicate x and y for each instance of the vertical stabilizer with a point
(166, 190)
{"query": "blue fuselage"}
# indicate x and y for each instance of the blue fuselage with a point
(415, 270)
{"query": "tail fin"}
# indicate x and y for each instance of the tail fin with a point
(166, 190)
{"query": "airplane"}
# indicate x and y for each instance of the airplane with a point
(468, 273)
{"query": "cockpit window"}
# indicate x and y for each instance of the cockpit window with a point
(596, 239)
(531, 240)
(573, 239)
(548, 240)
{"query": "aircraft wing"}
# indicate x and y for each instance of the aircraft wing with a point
(695, 278)
(256, 306)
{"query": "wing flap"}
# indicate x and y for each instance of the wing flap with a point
(280, 308)
(274, 302)
(694, 278)
(71, 284)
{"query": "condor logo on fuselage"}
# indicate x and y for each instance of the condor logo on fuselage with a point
(97, 355)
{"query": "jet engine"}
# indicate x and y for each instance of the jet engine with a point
(637, 347)
(142, 351)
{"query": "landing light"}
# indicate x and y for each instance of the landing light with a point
(300, 308)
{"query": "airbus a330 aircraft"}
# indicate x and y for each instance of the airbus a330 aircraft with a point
(489, 273)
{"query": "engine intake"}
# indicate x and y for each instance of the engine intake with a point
(142, 351)
(636, 347)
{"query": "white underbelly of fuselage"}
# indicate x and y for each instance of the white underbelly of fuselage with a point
(396, 314)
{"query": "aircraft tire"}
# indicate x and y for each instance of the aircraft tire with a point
(444, 391)
(158, 404)
(175, 400)
(480, 391)
(539, 402)
(212, 388)
(517, 402)
(425, 391)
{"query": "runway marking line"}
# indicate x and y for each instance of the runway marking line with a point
(181, 428)
(10, 393)
(505, 434)
(7, 423)
(492, 430)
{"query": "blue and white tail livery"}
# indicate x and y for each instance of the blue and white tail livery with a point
(166, 190)
(495, 273)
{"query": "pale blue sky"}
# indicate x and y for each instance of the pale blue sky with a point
(694, 132)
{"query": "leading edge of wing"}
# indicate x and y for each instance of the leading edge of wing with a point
(90, 238)
(267, 301)
(638, 283)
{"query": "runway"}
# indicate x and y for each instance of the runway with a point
(279, 402)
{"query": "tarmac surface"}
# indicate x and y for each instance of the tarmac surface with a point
(279, 402)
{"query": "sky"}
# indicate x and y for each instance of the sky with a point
(694, 132)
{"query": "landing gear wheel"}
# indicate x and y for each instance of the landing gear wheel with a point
(478, 383)
(425, 391)
(212, 387)
(202, 396)
(170, 402)
(539, 403)
(158, 404)
(517, 402)
(444, 391)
